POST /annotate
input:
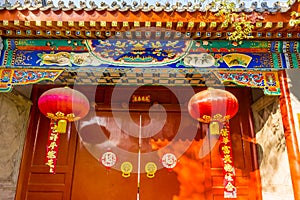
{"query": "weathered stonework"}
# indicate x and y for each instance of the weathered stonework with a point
(273, 158)
(13, 126)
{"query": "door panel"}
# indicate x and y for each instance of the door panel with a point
(177, 137)
(93, 181)
(35, 181)
(102, 183)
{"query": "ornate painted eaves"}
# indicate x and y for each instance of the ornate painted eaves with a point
(13, 77)
(103, 21)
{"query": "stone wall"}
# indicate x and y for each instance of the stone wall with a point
(272, 153)
(13, 127)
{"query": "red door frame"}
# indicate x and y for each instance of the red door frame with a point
(290, 133)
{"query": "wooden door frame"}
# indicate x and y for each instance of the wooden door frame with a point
(26, 160)
(27, 157)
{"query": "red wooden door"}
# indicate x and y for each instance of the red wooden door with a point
(197, 175)
(35, 182)
(122, 139)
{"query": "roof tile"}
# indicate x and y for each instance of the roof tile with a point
(145, 7)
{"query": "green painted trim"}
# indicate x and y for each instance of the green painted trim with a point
(7, 89)
(275, 60)
(9, 58)
(294, 60)
(279, 47)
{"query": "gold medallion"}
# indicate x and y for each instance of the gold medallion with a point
(150, 169)
(126, 168)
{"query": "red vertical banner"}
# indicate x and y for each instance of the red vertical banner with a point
(230, 190)
(52, 147)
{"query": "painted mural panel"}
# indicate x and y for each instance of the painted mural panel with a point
(181, 53)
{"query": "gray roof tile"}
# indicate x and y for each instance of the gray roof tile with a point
(145, 7)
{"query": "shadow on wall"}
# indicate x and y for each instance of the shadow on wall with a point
(274, 165)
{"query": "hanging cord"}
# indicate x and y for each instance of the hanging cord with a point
(139, 160)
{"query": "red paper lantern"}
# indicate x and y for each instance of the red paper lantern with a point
(61, 105)
(213, 105)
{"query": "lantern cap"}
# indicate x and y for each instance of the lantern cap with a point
(59, 115)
